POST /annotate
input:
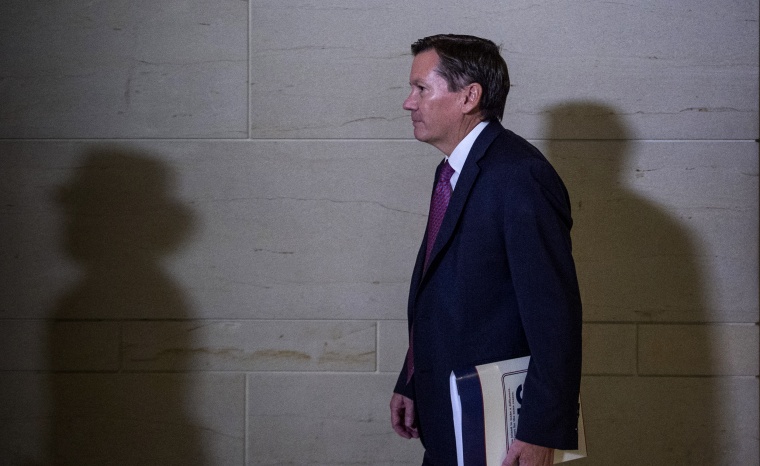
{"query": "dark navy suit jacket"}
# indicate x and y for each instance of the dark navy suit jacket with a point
(501, 284)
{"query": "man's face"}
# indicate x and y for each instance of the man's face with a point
(436, 112)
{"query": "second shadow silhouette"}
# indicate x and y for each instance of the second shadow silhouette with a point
(637, 266)
(119, 222)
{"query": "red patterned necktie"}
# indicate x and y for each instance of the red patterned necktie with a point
(438, 204)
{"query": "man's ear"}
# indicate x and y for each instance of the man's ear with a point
(472, 94)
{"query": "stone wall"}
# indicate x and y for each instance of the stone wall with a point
(209, 213)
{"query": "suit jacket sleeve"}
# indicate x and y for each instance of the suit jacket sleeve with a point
(403, 388)
(539, 251)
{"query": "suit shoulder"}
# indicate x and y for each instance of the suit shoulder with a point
(511, 153)
(519, 170)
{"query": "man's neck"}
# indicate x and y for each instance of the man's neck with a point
(464, 129)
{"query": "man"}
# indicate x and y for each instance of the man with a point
(494, 278)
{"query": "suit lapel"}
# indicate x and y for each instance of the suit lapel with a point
(466, 180)
(419, 265)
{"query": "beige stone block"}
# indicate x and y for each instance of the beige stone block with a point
(87, 228)
(673, 421)
(123, 419)
(393, 342)
(698, 349)
(664, 231)
(25, 412)
(609, 349)
(84, 346)
(61, 346)
(262, 229)
(23, 345)
(319, 71)
(325, 229)
(124, 69)
(250, 346)
(324, 419)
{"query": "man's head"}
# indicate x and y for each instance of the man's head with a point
(468, 59)
(456, 82)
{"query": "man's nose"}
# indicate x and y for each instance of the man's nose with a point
(409, 103)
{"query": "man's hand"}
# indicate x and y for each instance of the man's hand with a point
(402, 416)
(527, 454)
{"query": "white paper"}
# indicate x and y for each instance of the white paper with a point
(456, 408)
(501, 385)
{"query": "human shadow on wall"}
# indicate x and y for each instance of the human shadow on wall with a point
(119, 223)
(636, 264)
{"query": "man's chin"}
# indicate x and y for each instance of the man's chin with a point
(420, 135)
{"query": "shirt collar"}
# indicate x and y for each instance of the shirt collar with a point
(462, 150)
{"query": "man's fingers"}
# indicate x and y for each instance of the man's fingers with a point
(402, 416)
(408, 417)
(511, 458)
(531, 455)
(398, 416)
(400, 430)
(409, 420)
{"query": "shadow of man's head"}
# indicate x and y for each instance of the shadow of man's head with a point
(635, 259)
(119, 221)
(118, 208)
